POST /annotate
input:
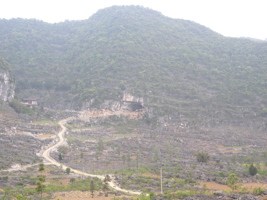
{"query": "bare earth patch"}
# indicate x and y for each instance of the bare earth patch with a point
(251, 186)
(215, 186)
(45, 136)
(150, 175)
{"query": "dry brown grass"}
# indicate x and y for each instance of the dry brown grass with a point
(150, 175)
(215, 186)
(45, 136)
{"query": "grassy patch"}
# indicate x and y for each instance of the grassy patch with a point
(236, 147)
(179, 194)
(80, 128)
(125, 135)
(43, 122)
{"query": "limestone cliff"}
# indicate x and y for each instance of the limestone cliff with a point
(7, 86)
(129, 97)
(128, 102)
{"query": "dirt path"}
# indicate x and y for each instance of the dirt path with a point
(46, 155)
(19, 167)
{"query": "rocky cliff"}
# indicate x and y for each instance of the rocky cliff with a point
(129, 97)
(7, 86)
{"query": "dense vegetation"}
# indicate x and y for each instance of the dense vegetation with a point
(3, 64)
(181, 68)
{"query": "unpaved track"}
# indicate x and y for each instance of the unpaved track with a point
(46, 155)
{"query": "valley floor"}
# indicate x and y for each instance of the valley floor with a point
(133, 151)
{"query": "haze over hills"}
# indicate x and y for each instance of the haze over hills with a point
(180, 68)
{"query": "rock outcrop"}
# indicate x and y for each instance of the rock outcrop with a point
(129, 97)
(7, 86)
(131, 103)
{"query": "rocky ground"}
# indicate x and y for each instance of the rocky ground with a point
(134, 149)
(22, 137)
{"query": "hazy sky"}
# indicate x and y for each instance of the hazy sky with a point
(236, 18)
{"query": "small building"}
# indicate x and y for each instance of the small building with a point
(29, 101)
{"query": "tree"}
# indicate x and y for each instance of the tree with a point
(151, 195)
(63, 149)
(249, 160)
(41, 167)
(105, 186)
(68, 170)
(92, 188)
(40, 187)
(41, 179)
(107, 178)
(252, 170)
(60, 157)
(202, 156)
(72, 180)
(233, 182)
(105, 189)
(100, 145)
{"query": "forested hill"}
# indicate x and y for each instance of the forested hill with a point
(181, 68)
(3, 64)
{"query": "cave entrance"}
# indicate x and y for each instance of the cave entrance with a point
(131, 105)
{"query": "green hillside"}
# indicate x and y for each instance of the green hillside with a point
(3, 64)
(181, 68)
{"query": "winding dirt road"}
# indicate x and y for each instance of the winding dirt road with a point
(46, 155)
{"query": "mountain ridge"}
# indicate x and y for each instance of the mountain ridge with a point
(178, 66)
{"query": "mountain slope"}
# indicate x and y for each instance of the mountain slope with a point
(181, 68)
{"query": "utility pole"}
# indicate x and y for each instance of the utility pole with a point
(161, 187)
(82, 174)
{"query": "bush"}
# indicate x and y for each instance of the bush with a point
(258, 191)
(68, 170)
(202, 156)
(252, 170)
(222, 174)
(72, 180)
(20, 108)
(233, 182)
(264, 112)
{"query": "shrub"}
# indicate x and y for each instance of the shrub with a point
(233, 182)
(202, 156)
(68, 170)
(20, 108)
(252, 170)
(258, 191)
